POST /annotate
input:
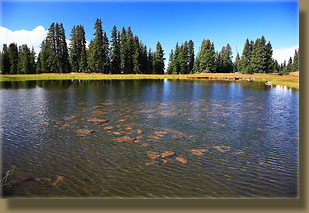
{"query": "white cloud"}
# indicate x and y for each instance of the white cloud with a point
(284, 54)
(32, 38)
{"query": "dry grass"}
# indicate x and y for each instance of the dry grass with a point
(291, 80)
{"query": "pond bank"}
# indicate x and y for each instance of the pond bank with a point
(291, 80)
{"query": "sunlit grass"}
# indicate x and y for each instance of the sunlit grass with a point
(290, 80)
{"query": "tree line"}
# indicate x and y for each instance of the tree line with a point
(256, 58)
(124, 53)
(17, 60)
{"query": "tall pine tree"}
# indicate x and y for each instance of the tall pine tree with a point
(159, 60)
(295, 66)
(207, 57)
(191, 56)
(115, 51)
(106, 54)
(245, 57)
(5, 61)
(124, 52)
(97, 48)
(13, 58)
(236, 67)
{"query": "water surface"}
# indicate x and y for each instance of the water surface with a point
(229, 139)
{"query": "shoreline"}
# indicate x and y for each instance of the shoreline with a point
(291, 80)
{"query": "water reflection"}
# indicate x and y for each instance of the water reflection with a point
(282, 89)
(114, 138)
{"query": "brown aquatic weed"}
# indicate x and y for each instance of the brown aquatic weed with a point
(223, 148)
(59, 178)
(182, 160)
(145, 144)
(198, 151)
(124, 139)
(139, 131)
(69, 117)
(84, 131)
(108, 127)
(98, 120)
(152, 163)
(167, 154)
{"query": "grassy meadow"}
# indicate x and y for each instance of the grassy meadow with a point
(291, 80)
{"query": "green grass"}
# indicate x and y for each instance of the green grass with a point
(12, 170)
(293, 83)
(85, 77)
(275, 79)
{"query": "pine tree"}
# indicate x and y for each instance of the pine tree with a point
(225, 57)
(124, 51)
(54, 56)
(64, 53)
(236, 64)
(207, 57)
(150, 62)
(115, 51)
(183, 59)
(137, 62)
(43, 58)
(170, 63)
(106, 54)
(19, 62)
(159, 60)
(32, 62)
(259, 58)
(84, 60)
(228, 58)
(13, 58)
(269, 60)
(5, 62)
(283, 69)
(246, 56)
(81, 40)
(275, 67)
(130, 50)
(38, 69)
(74, 50)
(191, 56)
(256, 54)
(218, 61)
(98, 51)
(51, 51)
(295, 66)
(91, 57)
(289, 66)
(144, 62)
(196, 66)
(25, 60)
(176, 60)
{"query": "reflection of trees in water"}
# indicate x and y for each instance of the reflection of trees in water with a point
(52, 84)
(47, 84)
(17, 84)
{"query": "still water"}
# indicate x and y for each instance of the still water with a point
(150, 138)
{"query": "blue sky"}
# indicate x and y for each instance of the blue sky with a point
(167, 22)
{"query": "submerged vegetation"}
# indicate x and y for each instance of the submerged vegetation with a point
(133, 132)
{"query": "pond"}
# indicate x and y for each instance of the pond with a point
(150, 138)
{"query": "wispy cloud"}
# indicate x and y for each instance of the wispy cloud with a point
(32, 38)
(284, 54)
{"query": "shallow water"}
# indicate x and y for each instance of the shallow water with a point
(106, 138)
